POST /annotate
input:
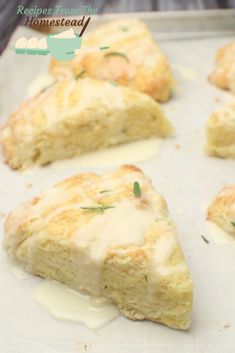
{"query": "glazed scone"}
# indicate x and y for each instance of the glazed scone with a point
(222, 210)
(133, 59)
(73, 117)
(220, 133)
(224, 73)
(107, 235)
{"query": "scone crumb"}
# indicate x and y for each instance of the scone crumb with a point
(177, 146)
(226, 326)
(29, 185)
(217, 99)
(143, 203)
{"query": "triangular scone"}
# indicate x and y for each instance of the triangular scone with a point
(73, 117)
(222, 210)
(220, 133)
(133, 59)
(107, 237)
(224, 73)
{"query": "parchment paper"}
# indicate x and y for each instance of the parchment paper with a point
(188, 180)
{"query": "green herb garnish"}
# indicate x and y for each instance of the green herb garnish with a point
(146, 277)
(99, 209)
(47, 87)
(117, 53)
(233, 223)
(205, 240)
(80, 75)
(124, 28)
(103, 191)
(136, 189)
(113, 83)
(104, 48)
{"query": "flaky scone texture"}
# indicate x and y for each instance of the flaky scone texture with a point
(133, 59)
(220, 133)
(95, 234)
(222, 210)
(73, 117)
(224, 73)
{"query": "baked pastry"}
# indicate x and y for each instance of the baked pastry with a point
(222, 210)
(107, 235)
(133, 59)
(72, 117)
(224, 73)
(220, 133)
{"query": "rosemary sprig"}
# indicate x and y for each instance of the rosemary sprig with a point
(205, 240)
(47, 87)
(80, 75)
(99, 209)
(113, 83)
(124, 28)
(104, 48)
(103, 191)
(233, 223)
(136, 189)
(117, 53)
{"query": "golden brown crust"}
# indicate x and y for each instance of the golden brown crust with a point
(220, 133)
(73, 117)
(224, 73)
(141, 64)
(148, 280)
(222, 209)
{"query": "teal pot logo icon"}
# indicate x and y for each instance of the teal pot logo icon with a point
(63, 48)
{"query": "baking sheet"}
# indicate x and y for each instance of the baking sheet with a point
(188, 180)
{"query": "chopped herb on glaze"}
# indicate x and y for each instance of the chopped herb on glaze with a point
(99, 209)
(124, 28)
(103, 191)
(113, 83)
(136, 189)
(80, 75)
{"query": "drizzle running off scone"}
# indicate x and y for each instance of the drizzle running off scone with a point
(73, 117)
(224, 73)
(220, 133)
(133, 59)
(222, 210)
(107, 235)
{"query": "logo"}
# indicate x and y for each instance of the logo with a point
(63, 46)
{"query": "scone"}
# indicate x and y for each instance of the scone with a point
(224, 73)
(220, 133)
(222, 210)
(72, 117)
(107, 235)
(133, 59)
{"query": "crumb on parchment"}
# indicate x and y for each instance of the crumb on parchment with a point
(217, 99)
